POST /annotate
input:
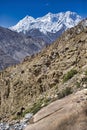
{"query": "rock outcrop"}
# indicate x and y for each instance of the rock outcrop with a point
(69, 113)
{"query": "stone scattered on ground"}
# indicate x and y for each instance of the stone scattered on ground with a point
(16, 125)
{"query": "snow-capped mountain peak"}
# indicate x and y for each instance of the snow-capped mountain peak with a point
(24, 24)
(49, 23)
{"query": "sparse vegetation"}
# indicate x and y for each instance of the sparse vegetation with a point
(36, 106)
(86, 72)
(34, 109)
(16, 117)
(69, 75)
(78, 84)
(84, 79)
(65, 92)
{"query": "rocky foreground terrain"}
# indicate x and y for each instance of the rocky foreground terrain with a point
(69, 113)
(56, 72)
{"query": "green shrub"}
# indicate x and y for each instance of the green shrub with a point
(84, 80)
(86, 72)
(65, 92)
(16, 118)
(36, 106)
(34, 109)
(78, 84)
(69, 75)
(47, 101)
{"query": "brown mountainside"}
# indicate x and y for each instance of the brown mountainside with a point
(57, 71)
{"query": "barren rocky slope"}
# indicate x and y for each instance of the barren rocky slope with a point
(57, 71)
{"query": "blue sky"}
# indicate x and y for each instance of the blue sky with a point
(11, 11)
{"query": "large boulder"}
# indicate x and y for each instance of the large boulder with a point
(69, 113)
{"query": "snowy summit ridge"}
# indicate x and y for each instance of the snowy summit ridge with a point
(49, 23)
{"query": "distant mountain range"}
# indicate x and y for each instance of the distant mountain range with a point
(49, 23)
(48, 27)
(30, 35)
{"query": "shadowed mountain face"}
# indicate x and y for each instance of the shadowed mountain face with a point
(6, 60)
(57, 71)
(16, 46)
(49, 37)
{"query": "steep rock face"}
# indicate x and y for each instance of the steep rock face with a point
(69, 113)
(47, 74)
